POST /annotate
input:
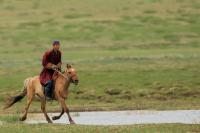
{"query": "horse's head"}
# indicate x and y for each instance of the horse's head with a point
(72, 74)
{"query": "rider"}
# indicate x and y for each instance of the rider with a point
(51, 61)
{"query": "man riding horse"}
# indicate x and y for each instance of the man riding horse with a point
(51, 61)
(49, 77)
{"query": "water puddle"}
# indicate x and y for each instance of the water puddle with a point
(123, 117)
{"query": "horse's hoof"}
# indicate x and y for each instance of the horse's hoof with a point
(55, 118)
(50, 121)
(72, 122)
(22, 119)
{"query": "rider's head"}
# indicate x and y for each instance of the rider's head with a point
(56, 45)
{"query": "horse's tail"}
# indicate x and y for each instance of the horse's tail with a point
(13, 99)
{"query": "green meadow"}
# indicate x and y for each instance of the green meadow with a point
(164, 128)
(129, 54)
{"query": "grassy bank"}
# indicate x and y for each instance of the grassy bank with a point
(163, 128)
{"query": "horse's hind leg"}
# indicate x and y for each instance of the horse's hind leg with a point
(43, 108)
(24, 116)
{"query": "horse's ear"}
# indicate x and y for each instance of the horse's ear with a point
(68, 66)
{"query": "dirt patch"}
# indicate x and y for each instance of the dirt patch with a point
(112, 91)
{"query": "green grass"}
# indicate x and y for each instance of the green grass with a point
(146, 50)
(162, 128)
(9, 118)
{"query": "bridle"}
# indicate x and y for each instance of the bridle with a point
(66, 77)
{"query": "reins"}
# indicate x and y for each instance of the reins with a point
(61, 74)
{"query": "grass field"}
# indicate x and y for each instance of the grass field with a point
(129, 54)
(167, 128)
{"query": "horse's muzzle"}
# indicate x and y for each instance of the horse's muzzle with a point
(76, 82)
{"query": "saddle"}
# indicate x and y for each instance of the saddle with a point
(49, 87)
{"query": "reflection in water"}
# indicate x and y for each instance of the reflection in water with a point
(124, 117)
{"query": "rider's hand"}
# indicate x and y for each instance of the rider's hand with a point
(54, 67)
(59, 65)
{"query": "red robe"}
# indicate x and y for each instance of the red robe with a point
(49, 57)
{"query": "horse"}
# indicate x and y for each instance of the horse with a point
(32, 87)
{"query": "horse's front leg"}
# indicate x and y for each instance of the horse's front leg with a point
(58, 117)
(64, 106)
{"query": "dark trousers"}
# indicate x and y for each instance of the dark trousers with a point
(49, 87)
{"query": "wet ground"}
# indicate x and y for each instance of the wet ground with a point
(123, 117)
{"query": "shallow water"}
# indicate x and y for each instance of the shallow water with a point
(123, 117)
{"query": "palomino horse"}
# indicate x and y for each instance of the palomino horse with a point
(32, 87)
